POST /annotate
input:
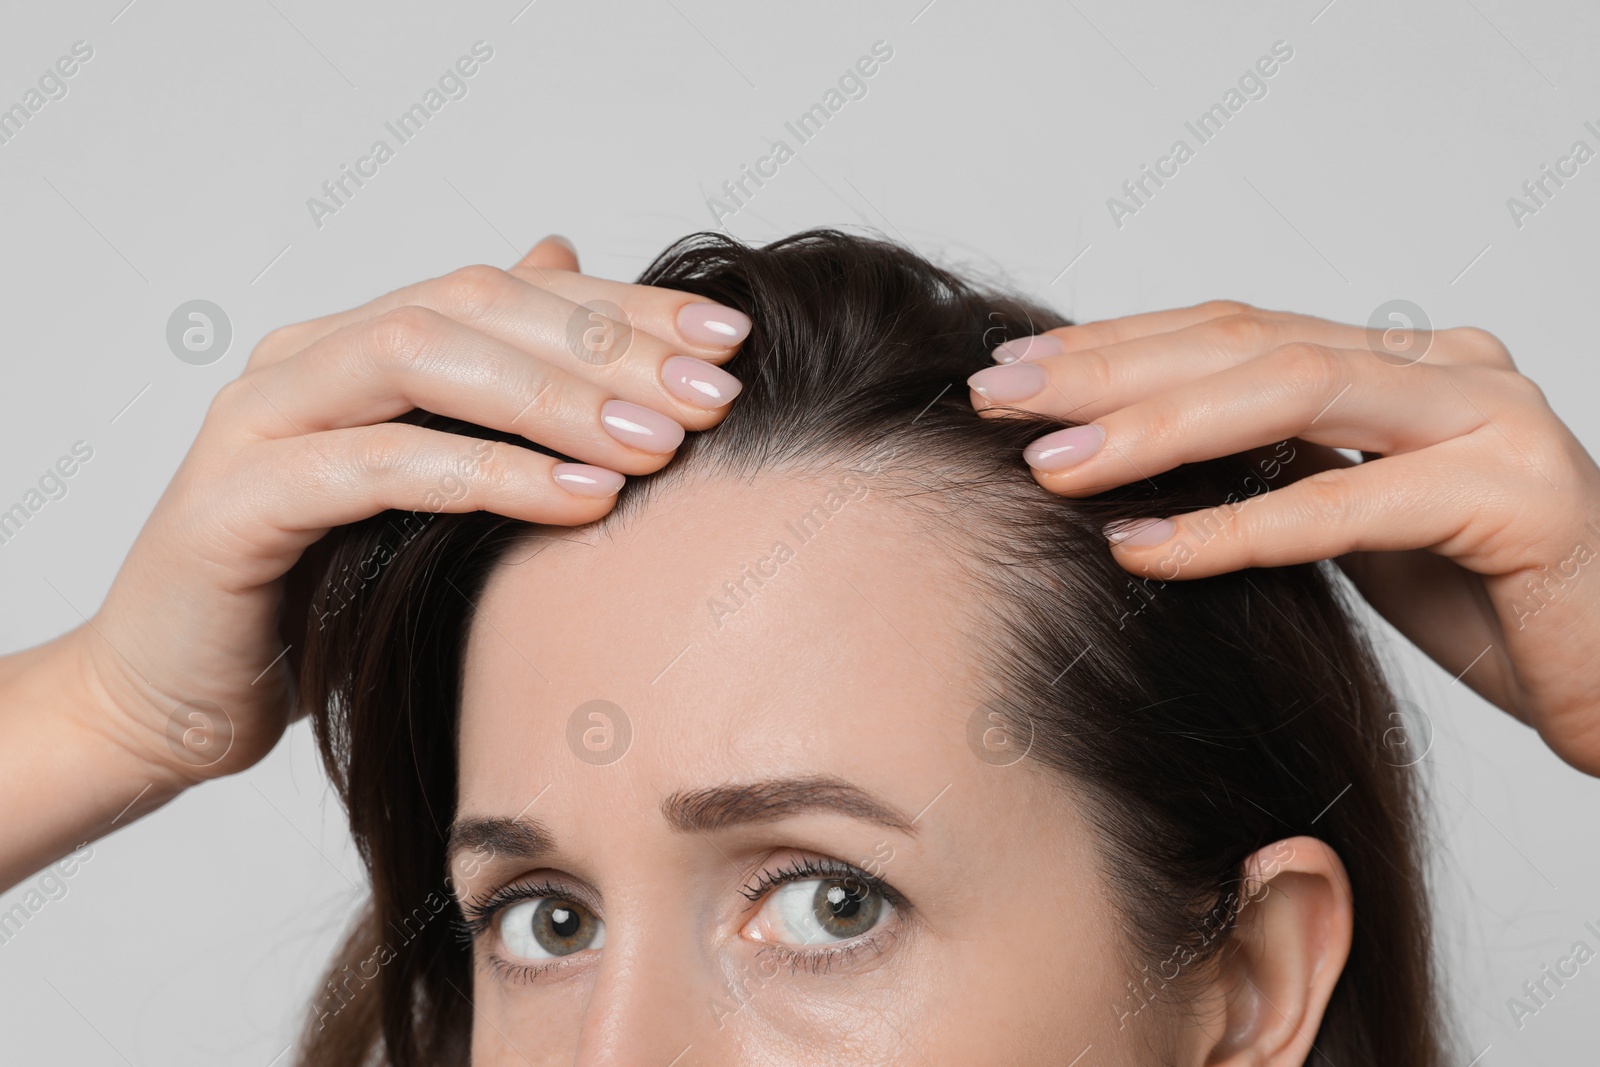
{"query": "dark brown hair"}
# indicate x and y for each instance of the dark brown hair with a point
(1203, 719)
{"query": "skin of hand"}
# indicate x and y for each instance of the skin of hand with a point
(181, 674)
(1471, 525)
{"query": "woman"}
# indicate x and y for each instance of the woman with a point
(798, 755)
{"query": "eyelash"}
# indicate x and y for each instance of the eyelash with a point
(479, 913)
(800, 870)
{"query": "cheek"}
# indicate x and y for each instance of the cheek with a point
(530, 1025)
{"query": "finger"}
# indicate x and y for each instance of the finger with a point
(328, 479)
(555, 252)
(1324, 396)
(700, 326)
(1086, 384)
(1392, 504)
(1089, 379)
(632, 365)
(415, 358)
(1150, 324)
(509, 306)
(1115, 331)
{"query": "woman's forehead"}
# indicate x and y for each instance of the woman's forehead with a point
(738, 586)
(774, 623)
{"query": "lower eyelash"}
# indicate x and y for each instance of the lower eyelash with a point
(823, 960)
(505, 971)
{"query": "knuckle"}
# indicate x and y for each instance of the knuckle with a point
(1220, 309)
(547, 404)
(278, 343)
(232, 397)
(1323, 493)
(1245, 331)
(1308, 367)
(1512, 406)
(487, 471)
(1091, 367)
(313, 470)
(1517, 384)
(1554, 463)
(403, 334)
(1519, 389)
(1155, 426)
(1538, 441)
(468, 292)
(381, 449)
(494, 464)
(1479, 343)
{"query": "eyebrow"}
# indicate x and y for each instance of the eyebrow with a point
(520, 838)
(696, 811)
(771, 799)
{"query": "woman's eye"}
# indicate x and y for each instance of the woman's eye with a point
(548, 927)
(819, 911)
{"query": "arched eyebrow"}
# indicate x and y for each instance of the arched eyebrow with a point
(696, 811)
(767, 800)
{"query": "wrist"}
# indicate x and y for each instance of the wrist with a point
(138, 733)
(65, 781)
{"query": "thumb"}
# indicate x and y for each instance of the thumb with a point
(553, 253)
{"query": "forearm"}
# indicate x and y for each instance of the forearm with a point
(65, 778)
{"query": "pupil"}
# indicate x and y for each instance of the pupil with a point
(564, 921)
(843, 902)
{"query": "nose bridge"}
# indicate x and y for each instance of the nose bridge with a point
(652, 999)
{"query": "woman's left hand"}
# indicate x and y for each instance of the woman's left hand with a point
(1472, 526)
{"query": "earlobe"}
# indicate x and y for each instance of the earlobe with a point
(1289, 947)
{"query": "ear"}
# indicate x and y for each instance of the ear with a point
(1288, 948)
(553, 253)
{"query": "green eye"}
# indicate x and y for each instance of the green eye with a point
(549, 927)
(845, 908)
(819, 911)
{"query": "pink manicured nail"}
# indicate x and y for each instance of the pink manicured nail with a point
(580, 479)
(641, 428)
(1139, 532)
(1008, 383)
(1064, 448)
(713, 324)
(1026, 348)
(697, 382)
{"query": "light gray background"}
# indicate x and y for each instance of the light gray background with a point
(179, 164)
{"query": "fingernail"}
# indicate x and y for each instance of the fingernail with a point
(580, 479)
(1064, 448)
(641, 428)
(713, 324)
(694, 381)
(1026, 348)
(1139, 532)
(1008, 383)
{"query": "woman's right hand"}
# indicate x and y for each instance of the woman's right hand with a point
(182, 669)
